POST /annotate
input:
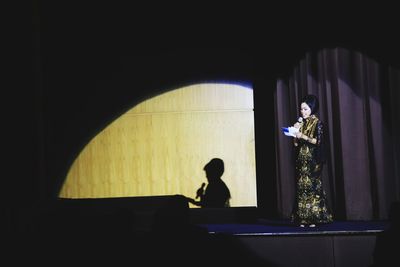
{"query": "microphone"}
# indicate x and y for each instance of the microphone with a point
(300, 120)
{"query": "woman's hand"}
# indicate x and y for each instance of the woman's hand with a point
(299, 135)
(297, 125)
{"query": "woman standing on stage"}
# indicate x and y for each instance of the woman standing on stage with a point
(310, 205)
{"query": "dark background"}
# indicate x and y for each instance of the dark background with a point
(81, 65)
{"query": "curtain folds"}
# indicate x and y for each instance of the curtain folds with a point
(359, 105)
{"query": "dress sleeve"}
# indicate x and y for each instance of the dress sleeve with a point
(319, 135)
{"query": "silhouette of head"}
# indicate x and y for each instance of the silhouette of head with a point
(214, 169)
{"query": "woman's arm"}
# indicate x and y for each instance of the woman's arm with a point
(307, 138)
(318, 135)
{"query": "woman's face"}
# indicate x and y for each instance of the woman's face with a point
(305, 110)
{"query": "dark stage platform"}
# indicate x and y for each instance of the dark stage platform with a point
(279, 242)
(341, 243)
(281, 227)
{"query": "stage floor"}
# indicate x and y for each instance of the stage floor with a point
(282, 227)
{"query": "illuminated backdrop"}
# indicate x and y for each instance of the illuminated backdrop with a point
(160, 146)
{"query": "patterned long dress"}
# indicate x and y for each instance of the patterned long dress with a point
(311, 205)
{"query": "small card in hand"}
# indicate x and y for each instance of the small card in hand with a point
(290, 131)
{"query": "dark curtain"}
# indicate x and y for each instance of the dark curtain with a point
(359, 106)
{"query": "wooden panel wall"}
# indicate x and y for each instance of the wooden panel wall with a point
(160, 147)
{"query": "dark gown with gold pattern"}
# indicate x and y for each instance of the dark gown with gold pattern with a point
(310, 205)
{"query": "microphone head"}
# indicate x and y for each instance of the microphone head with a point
(300, 119)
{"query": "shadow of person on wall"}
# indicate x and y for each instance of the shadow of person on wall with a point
(216, 194)
(386, 251)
